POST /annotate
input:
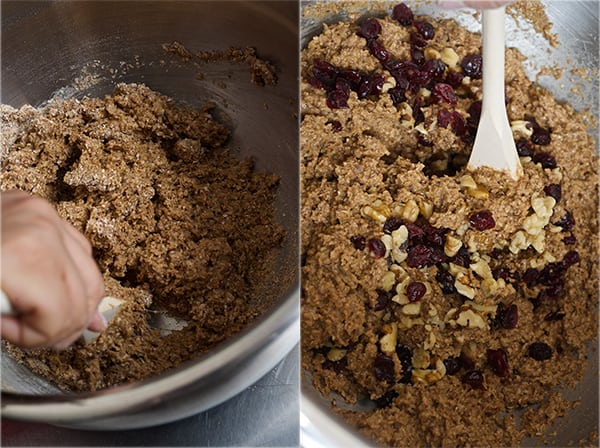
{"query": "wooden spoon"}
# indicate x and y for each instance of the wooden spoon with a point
(494, 144)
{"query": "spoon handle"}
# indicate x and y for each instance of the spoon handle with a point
(493, 59)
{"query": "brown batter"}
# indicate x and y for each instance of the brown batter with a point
(448, 298)
(177, 223)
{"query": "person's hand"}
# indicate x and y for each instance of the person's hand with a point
(48, 273)
(478, 4)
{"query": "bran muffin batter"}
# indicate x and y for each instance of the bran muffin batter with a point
(450, 299)
(177, 225)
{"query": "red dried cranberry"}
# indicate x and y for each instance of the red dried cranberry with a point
(554, 316)
(472, 65)
(377, 49)
(416, 233)
(352, 77)
(325, 73)
(424, 141)
(376, 247)
(569, 240)
(386, 399)
(336, 126)
(403, 14)
(540, 137)
(446, 281)
(444, 117)
(383, 367)
(418, 41)
(572, 257)
(415, 291)
(371, 85)
(371, 29)
(435, 235)
(444, 93)
(483, 220)
(474, 110)
(337, 99)
(540, 351)
(358, 241)
(337, 366)
(498, 361)
(545, 159)
(459, 125)
(383, 300)
(424, 28)
(553, 190)
(417, 55)
(419, 256)
(405, 357)
(473, 378)
(397, 95)
(418, 114)
(391, 224)
(435, 67)
(507, 317)
(531, 276)
(452, 365)
(454, 79)
(567, 222)
(462, 258)
(552, 274)
(524, 148)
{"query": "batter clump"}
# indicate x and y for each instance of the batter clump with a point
(177, 223)
(446, 298)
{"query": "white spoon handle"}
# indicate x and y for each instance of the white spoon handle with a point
(493, 59)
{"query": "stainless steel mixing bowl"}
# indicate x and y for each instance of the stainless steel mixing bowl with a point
(576, 26)
(65, 49)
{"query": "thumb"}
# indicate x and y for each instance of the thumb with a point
(98, 322)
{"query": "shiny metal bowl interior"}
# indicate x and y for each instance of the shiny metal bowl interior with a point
(576, 25)
(75, 49)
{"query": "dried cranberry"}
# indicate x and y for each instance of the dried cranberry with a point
(415, 291)
(446, 281)
(498, 361)
(417, 55)
(572, 257)
(567, 222)
(324, 72)
(336, 126)
(540, 351)
(358, 241)
(452, 365)
(383, 300)
(554, 316)
(371, 85)
(507, 317)
(474, 110)
(473, 378)
(397, 95)
(444, 93)
(403, 14)
(545, 159)
(418, 114)
(405, 357)
(462, 258)
(391, 224)
(383, 367)
(540, 137)
(553, 190)
(524, 148)
(352, 77)
(376, 247)
(569, 240)
(418, 41)
(424, 141)
(377, 49)
(416, 233)
(424, 28)
(435, 235)
(552, 274)
(337, 99)
(386, 399)
(371, 29)
(444, 117)
(454, 79)
(435, 67)
(419, 256)
(472, 65)
(482, 220)
(337, 366)
(459, 125)
(531, 276)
